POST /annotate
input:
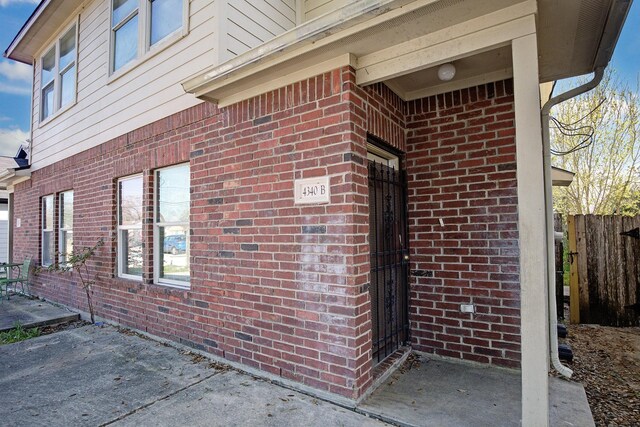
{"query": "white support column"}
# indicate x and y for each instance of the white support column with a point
(531, 225)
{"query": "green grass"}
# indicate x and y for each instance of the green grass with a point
(18, 334)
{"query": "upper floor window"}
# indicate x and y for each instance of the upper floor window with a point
(65, 236)
(58, 74)
(137, 25)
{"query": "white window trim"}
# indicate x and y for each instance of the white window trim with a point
(159, 246)
(61, 229)
(57, 110)
(119, 250)
(145, 50)
(381, 155)
(44, 229)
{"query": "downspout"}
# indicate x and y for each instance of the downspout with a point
(548, 203)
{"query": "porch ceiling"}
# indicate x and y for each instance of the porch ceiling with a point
(403, 42)
(484, 67)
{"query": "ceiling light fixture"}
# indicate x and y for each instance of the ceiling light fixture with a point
(446, 72)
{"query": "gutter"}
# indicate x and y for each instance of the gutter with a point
(615, 21)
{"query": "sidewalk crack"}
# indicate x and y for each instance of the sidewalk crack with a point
(146, 405)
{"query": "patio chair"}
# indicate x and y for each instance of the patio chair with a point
(22, 277)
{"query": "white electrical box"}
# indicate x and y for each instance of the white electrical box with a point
(467, 308)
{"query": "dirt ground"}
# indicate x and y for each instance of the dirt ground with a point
(607, 362)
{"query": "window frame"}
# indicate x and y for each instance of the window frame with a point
(145, 49)
(158, 245)
(61, 229)
(57, 72)
(44, 229)
(119, 241)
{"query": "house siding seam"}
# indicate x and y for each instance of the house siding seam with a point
(461, 166)
(283, 287)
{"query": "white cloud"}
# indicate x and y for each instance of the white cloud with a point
(4, 3)
(10, 141)
(14, 90)
(15, 71)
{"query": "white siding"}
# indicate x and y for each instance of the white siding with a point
(315, 8)
(250, 23)
(150, 91)
(4, 233)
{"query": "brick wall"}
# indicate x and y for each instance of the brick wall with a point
(461, 166)
(283, 287)
(275, 286)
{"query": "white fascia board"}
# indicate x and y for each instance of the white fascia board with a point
(323, 30)
(282, 81)
(561, 177)
(24, 30)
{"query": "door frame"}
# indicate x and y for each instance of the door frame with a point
(379, 151)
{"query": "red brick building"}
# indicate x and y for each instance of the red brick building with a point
(326, 200)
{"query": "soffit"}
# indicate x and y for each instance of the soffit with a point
(569, 35)
(485, 67)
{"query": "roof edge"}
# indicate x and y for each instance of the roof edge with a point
(8, 53)
(618, 12)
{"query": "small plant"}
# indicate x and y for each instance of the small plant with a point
(18, 333)
(76, 262)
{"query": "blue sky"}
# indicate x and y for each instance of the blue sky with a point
(15, 79)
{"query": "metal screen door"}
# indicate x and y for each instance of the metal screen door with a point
(389, 258)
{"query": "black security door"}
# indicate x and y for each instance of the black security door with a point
(389, 258)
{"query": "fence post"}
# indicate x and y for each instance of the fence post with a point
(582, 261)
(574, 292)
(559, 247)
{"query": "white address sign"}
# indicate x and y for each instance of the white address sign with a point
(312, 190)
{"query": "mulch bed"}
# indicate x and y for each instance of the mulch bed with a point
(607, 362)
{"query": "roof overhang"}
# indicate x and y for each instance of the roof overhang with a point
(10, 177)
(42, 25)
(362, 32)
(14, 169)
(575, 37)
(561, 177)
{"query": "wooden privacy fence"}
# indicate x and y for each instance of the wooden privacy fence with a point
(605, 275)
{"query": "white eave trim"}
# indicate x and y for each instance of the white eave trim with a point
(561, 177)
(24, 30)
(11, 177)
(318, 32)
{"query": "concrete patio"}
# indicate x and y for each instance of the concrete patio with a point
(94, 376)
(31, 313)
(100, 376)
(442, 393)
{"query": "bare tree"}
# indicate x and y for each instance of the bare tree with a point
(595, 135)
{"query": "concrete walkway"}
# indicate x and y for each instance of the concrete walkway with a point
(434, 392)
(94, 376)
(31, 313)
(99, 376)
